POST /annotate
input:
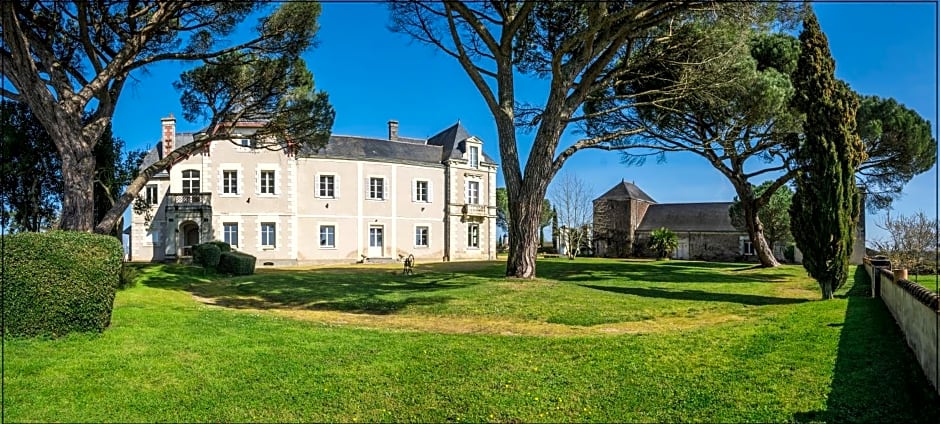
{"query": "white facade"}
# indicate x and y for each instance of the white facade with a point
(431, 198)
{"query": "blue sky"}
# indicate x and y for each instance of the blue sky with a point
(373, 75)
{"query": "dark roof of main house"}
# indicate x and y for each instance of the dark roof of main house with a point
(624, 190)
(693, 217)
(365, 148)
(438, 149)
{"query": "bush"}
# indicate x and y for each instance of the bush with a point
(789, 253)
(223, 246)
(128, 277)
(207, 255)
(663, 241)
(237, 263)
(59, 282)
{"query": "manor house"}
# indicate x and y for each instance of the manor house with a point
(356, 199)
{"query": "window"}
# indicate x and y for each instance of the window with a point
(151, 194)
(422, 192)
(473, 235)
(747, 248)
(230, 182)
(421, 236)
(190, 181)
(376, 188)
(245, 142)
(474, 157)
(267, 182)
(230, 233)
(327, 236)
(326, 186)
(268, 234)
(155, 236)
(473, 192)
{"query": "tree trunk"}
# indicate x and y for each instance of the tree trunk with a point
(525, 209)
(826, 288)
(755, 231)
(78, 178)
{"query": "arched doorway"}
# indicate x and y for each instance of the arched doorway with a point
(189, 236)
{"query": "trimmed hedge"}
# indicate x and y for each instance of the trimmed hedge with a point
(223, 246)
(237, 263)
(207, 255)
(59, 282)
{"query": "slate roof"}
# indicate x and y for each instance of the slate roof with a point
(693, 217)
(446, 145)
(452, 141)
(351, 147)
(624, 190)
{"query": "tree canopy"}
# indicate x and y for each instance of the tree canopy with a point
(899, 145)
(738, 118)
(69, 61)
(581, 49)
(30, 182)
(741, 121)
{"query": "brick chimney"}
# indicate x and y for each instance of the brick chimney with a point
(169, 134)
(393, 130)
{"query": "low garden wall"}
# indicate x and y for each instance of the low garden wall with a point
(917, 312)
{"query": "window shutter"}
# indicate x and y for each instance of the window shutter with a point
(430, 199)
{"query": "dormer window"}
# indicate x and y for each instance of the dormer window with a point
(474, 157)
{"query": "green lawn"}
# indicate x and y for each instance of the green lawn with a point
(592, 340)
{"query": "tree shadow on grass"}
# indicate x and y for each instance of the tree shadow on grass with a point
(744, 299)
(356, 290)
(661, 272)
(876, 376)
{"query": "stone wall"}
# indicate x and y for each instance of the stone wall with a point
(724, 247)
(915, 309)
(614, 221)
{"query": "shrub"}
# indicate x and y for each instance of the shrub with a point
(207, 255)
(663, 241)
(59, 282)
(223, 246)
(237, 263)
(789, 253)
(128, 277)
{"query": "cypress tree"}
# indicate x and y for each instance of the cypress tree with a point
(825, 206)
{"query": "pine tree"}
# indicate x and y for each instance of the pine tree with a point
(825, 206)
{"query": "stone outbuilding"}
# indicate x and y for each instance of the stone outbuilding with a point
(625, 216)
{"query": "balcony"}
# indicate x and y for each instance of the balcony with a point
(474, 210)
(189, 200)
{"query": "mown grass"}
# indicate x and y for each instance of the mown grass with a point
(592, 340)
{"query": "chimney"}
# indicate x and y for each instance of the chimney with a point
(169, 134)
(393, 130)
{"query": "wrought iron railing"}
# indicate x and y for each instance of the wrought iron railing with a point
(189, 200)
